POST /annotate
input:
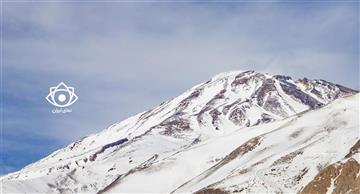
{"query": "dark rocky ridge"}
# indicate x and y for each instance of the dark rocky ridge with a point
(266, 95)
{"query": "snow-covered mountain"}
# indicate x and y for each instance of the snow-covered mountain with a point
(238, 132)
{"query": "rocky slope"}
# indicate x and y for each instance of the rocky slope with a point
(237, 132)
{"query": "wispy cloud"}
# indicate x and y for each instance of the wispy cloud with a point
(125, 58)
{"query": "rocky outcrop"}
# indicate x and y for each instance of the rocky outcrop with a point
(336, 178)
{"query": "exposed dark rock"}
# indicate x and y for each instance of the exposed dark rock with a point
(227, 107)
(242, 78)
(76, 143)
(211, 191)
(199, 116)
(292, 90)
(300, 176)
(282, 77)
(268, 97)
(218, 96)
(259, 76)
(215, 116)
(242, 74)
(185, 102)
(343, 175)
(354, 149)
(111, 169)
(146, 114)
(209, 105)
(240, 81)
(241, 150)
(273, 105)
(317, 93)
(287, 158)
(346, 90)
(238, 117)
(116, 143)
(267, 87)
(173, 125)
(265, 118)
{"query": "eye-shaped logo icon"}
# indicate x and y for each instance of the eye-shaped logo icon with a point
(62, 95)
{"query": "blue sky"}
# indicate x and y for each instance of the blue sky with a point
(124, 58)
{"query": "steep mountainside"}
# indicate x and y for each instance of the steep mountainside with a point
(237, 132)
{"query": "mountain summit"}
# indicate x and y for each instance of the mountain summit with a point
(237, 132)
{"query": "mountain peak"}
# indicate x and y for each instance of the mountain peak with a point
(227, 103)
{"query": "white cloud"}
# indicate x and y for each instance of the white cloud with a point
(145, 54)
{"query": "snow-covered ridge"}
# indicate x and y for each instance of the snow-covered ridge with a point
(226, 104)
